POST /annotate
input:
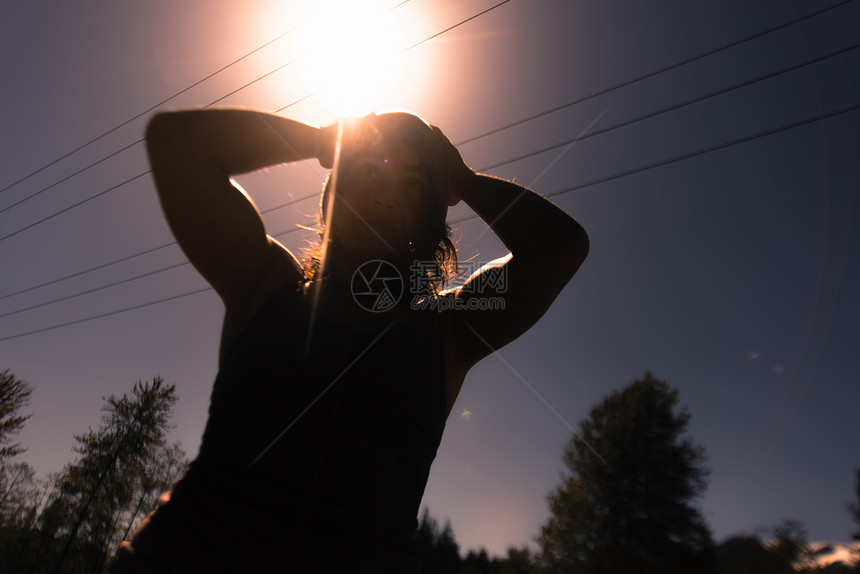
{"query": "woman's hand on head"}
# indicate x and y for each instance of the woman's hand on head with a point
(356, 132)
(326, 145)
(457, 172)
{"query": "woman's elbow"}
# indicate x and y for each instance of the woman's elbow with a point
(561, 255)
(576, 247)
(160, 129)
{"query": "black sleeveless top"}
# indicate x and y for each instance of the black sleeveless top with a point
(316, 453)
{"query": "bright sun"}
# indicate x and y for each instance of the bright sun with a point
(352, 51)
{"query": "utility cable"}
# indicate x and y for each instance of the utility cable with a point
(605, 179)
(141, 140)
(107, 314)
(54, 281)
(709, 149)
(122, 281)
(483, 169)
(474, 138)
(89, 270)
(697, 100)
(463, 142)
(164, 101)
(134, 255)
(655, 73)
(692, 154)
(94, 289)
(74, 205)
(259, 78)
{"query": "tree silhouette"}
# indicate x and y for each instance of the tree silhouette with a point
(629, 509)
(854, 508)
(19, 520)
(790, 542)
(747, 555)
(518, 561)
(165, 468)
(14, 395)
(477, 563)
(18, 492)
(101, 489)
(437, 548)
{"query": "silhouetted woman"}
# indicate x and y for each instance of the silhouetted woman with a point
(336, 376)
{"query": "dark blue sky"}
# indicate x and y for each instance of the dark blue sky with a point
(733, 273)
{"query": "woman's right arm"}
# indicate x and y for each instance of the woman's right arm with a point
(193, 155)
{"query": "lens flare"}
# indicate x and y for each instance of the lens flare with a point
(352, 51)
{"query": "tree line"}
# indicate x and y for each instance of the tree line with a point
(73, 520)
(627, 502)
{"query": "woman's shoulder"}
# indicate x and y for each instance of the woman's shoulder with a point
(284, 280)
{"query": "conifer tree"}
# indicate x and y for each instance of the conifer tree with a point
(14, 395)
(100, 490)
(626, 505)
(437, 548)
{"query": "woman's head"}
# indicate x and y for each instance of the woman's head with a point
(390, 192)
(408, 152)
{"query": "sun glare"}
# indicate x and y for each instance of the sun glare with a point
(351, 50)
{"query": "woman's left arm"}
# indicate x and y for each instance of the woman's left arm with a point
(546, 246)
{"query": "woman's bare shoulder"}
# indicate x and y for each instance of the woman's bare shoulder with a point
(283, 270)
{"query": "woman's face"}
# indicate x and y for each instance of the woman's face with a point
(385, 201)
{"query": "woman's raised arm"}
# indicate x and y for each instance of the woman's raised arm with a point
(546, 246)
(193, 155)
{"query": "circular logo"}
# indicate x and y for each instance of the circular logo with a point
(376, 286)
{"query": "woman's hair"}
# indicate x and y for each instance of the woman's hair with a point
(437, 274)
(414, 132)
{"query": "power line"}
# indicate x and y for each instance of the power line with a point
(604, 179)
(449, 28)
(259, 78)
(53, 215)
(74, 205)
(149, 171)
(472, 139)
(622, 124)
(122, 281)
(93, 290)
(466, 141)
(655, 73)
(493, 166)
(90, 270)
(697, 100)
(162, 102)
(709, 149)
(144, 112)
(132, 256)
(107, 314)
(689, 155)
(141, 140)
(68, 177)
